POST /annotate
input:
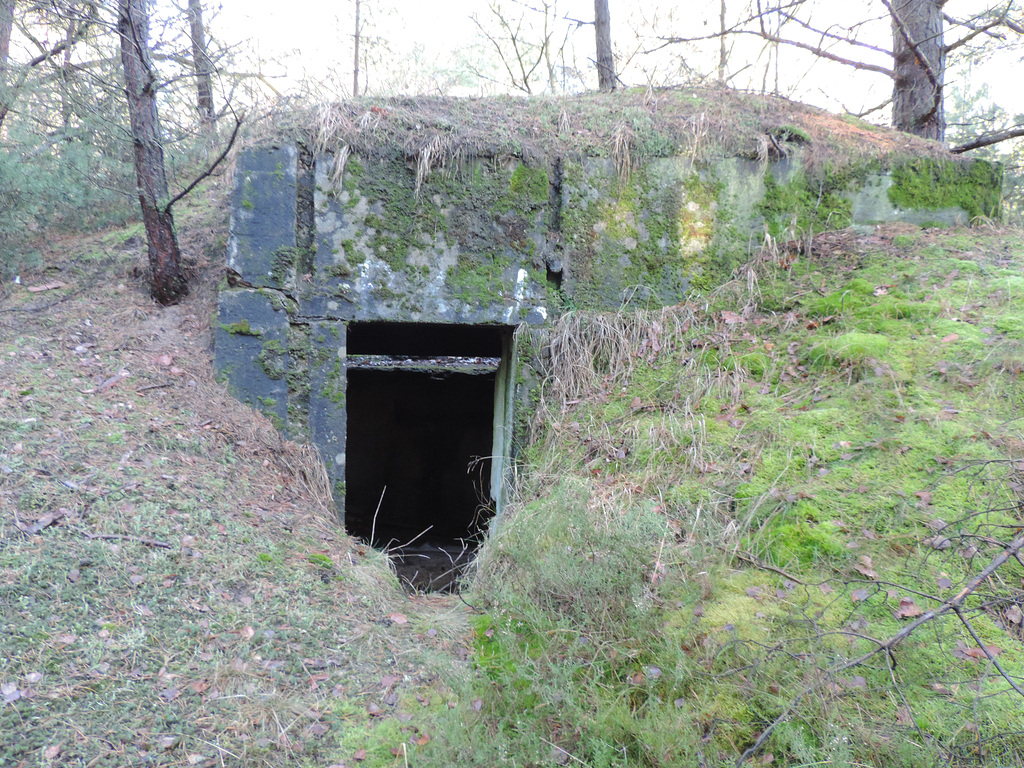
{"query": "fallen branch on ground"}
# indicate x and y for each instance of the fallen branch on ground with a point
(1012, 550)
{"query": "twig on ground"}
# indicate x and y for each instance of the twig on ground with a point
(138, 539)
(748, 558)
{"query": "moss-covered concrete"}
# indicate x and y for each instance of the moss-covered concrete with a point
(423, 231)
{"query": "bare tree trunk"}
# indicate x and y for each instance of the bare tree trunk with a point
(168, 283)
(919, 59)
(550, 11)
(605, 60)
(201, 62)
(6, 25)
(355, 58)
(723, 52)
(65, 75)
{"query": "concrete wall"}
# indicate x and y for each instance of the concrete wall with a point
(502, 241)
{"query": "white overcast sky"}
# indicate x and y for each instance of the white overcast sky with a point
(313, 37)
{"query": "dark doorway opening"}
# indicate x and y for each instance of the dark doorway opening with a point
(420, 409)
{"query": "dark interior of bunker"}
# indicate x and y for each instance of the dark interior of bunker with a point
(420, 412)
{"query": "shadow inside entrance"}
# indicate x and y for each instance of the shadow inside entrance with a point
(419, 440)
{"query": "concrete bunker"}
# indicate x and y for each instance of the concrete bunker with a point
(355, 272)
(426, 410)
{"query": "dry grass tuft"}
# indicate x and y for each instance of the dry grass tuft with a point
(437, 152)
(623, 149)
(587, 348)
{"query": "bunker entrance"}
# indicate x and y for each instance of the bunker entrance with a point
(425, 419)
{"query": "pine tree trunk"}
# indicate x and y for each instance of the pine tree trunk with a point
(168, 283)
(605, 59)
(201, 62)
(6, 25)
(919, 63)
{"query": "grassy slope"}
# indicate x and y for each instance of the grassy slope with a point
(710, 489)
(731, 497)
(253, 633)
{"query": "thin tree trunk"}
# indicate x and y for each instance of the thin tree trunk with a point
(168, 283)
(355, 61)
(201, 62)
(919, 60)
(65, 81)
(605, 60)
(723, 52)
(6, 25)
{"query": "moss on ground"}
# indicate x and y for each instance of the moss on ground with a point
(785, 486)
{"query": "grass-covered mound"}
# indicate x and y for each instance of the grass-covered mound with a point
(735, 511)
(723, 505)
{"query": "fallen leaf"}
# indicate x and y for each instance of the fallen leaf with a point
(50, 753)
(903, 716)
(1014, 614)
(963, 651)
(924, 496)
(164, 360)
(951, 338)
(944, 583)
(865, 569)
(316, 730)
(731, 318)
(908, 609)
(398, 618)
(422, 739)
(476, 704)
(360, 754)
(170, 694)
(859, 595)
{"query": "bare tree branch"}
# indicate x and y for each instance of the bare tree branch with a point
(988, 139)
(213, 166)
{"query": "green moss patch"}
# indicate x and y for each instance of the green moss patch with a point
(927, 183)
